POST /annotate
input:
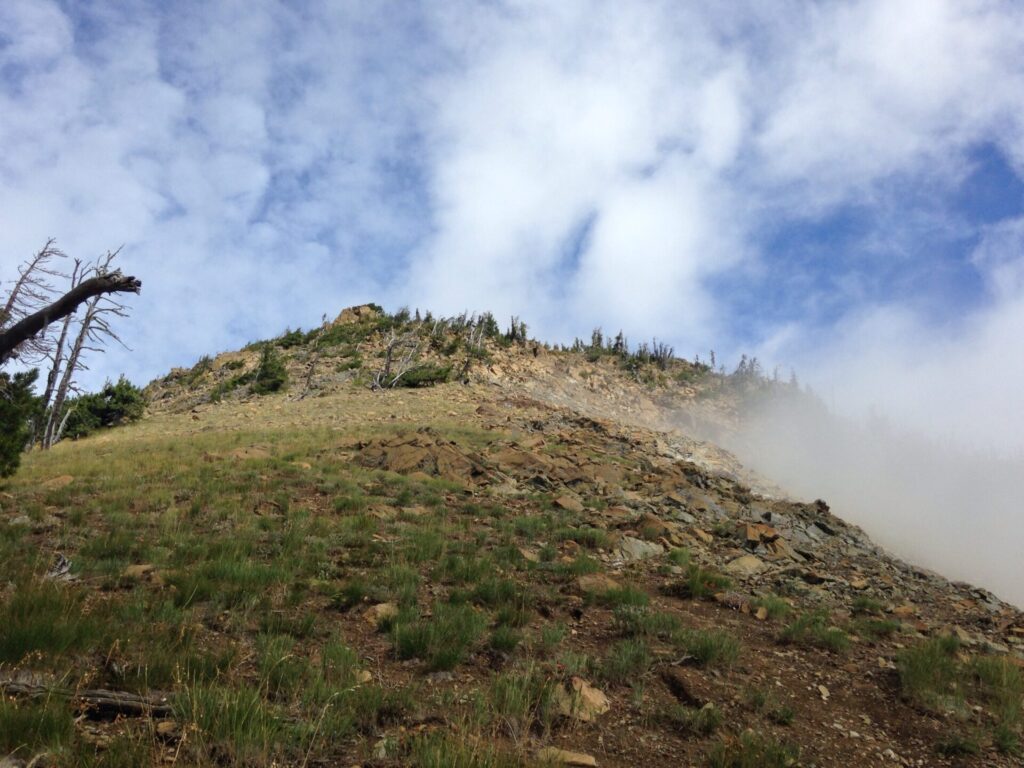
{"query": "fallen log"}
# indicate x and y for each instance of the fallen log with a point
(98, 702)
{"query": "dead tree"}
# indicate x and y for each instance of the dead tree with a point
(474, 343)
(57, 352)
(314, 359)
(93, 331)
(400, 357)
(33, 287)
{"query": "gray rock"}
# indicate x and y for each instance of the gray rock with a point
(747, 565)
(637, 549)
(801, 539)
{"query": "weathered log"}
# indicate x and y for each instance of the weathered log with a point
(98, 701)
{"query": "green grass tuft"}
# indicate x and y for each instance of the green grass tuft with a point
(626, 661)
(443, 640)
(713, 647)
(752, 750)
(813, 628)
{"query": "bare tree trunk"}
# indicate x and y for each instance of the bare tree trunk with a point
(87, 290)
(50, 434)
(63, 423)
(58, 356)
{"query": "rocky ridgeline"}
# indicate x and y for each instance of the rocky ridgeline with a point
(693, 485)
(767, 545)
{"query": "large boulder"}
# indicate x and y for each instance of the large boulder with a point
(357, 314)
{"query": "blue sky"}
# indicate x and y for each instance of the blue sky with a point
(833, 186)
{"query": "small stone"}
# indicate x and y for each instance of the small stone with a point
(905, 611)
(377, 614)
(580, 700)
(166, 729)
(690, 688)
(137, 572)
(597, 583)
(565, 757)
(633, 549)
(701, 535)
(747, 565)
(652, 527)
(569, 504)
(756, 533)
(824, 692)
(529, 555)
(859, 583)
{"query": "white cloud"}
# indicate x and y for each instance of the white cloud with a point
(875, 88)
(960, 381)
(474, 142)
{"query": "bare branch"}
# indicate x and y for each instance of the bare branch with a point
(89, 290)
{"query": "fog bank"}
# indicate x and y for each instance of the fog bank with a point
(931, 502)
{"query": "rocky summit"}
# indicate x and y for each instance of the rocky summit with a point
(434, 542)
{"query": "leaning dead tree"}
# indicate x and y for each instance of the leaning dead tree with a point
(101, 282)
(38, 324)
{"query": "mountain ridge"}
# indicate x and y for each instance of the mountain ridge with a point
(513, 568)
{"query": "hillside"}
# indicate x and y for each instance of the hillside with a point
(512, 563)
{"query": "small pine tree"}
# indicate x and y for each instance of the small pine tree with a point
(114, 404)
(620, 346)
(17, 406)
(489, 325)
(271, 374)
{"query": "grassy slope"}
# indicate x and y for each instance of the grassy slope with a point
(268, 544)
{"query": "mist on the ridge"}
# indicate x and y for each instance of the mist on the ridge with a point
(932, 502)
